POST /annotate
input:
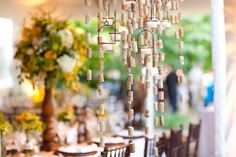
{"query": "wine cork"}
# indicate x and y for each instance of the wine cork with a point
(181, 44)
(134, 46)
(102, 142)
(100, 77)
(161, 57)
(181, 60)
(122, 19)
(129, 86)
(160, 69)
(87, 18)
(102, 126)
(181, 32)
(155, 79)
(161, 106)
(156, 121)
(100, 90)
(100, 16)
(156, 152)
(162, 123)
(132, 147)
(160, 84)
(102, 109)
(89, 75)
(130, 80)
(100, 65)
(140, 22)
(89, 52)
(141, 10)
(161, 95)
(156, 138)
(130, 131)
(181, 78)
(130, 96)
(155, 90)
(131, 114)
(140, 40)
(87, 3)
(99, 40)
(154, 61)
(159, 30)
(146, 130)
(132, 63)
(156, 106)
(147, 60)
(100, 4)
(159, 43)
(177, 36)
(88, 38)
(176, 19)
(100, 52)
(142, 58)
(147, 113)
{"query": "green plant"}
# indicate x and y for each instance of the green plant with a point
(67, 115)
(4, 125)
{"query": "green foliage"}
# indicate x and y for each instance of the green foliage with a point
(197, 40)
(67, 115)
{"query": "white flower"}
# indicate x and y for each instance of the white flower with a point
(67, 63)
(66, 37)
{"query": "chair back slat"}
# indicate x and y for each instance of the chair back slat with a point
(193, 137)
(175, 143)
(118, 151)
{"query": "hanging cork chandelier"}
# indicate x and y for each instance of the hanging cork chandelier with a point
(149, 19)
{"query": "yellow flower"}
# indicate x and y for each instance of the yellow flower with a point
(69, 77)
(36, 31)
(50, 55)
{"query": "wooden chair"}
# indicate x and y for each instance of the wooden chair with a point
(193, 138)
(175, 144)
(121, 150)
(149, 147)
(150, 144)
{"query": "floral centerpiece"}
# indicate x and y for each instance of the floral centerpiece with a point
(50, 52)
(67, 116)
(4, 128)
(29, 122)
